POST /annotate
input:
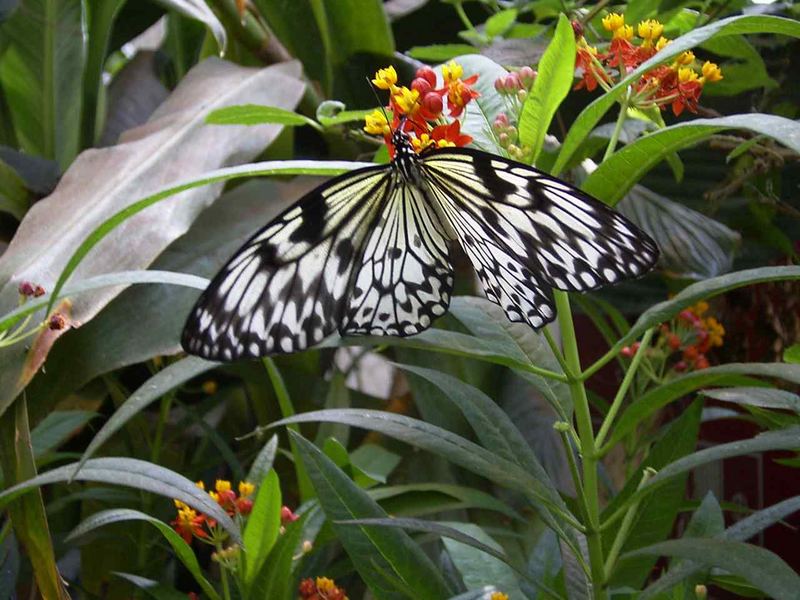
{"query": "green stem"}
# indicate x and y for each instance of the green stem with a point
(623, 113)
(623, 389)
(557, 353)
(563, 429)
(583, 420)
(166, 403)
(624, 529)
(464, 18)
(287, 410)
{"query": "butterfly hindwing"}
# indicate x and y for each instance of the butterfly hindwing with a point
(526, 232)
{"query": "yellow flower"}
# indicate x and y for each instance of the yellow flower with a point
(613, 21)
(421, 142)
(406, 100)
(716, 332)
(246, 489)
(385, 79)
(209, 387)
(662, 43)
(222, 485)
(200, 485)
(452, 71)
(685, 58)
(498, 596)
(214, 496)
(180, 505)
(700, 308)
(686, 75)
(650, 30)
(623, 33)
(325, 585)
(376, 123)
(711, 72)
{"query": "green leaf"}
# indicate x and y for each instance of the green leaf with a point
(13, 194)
(338, 397)
(664, 311)
(618, 173)
(416, 499)
(263, 462)
(200, 11)
(439, 53)
(277, 577)
(656, 514)
(556, 71)
(133, 473)
(372, 464)
(476, 568)
(151, 587)
(737, 25)
(792, 354)
(182, 550)
(57, 427)
(392, 565)
(500, 22)
(263, 526)
(255, 114)
(41, 74)
(331, 112)
(740, 531)
(759, 566)
(732, 374)
(757, 396)
(151, 390)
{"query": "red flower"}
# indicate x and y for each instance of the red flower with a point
(450, 134)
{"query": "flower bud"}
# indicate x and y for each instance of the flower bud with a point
(307, 546)
(432, 102)
(503, 140)
(577, 29)
(500, 85)
(57, 322)
(512, 83)
(521, 95)
(680, 366)
(423, 86)
(26, 288)
(527, 77)
(500, 122)
(427, 74)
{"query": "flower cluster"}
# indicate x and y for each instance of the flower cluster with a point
(420, 109)
(678, 84)
(688, 338)
(189, 523)
(498, 596)
(321, 588)
(514, 89)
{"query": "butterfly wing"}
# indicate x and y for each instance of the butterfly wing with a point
(526, 232)
(357, 254)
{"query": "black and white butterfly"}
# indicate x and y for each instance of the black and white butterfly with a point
(368, 253)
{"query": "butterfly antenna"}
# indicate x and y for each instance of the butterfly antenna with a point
(380, 104)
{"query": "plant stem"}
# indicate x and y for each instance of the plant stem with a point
(166, 403)
(624, 528)
(287, 410)
(557, 353)
(586, 433)
(623, 389)
(563, 431)
(623, 112)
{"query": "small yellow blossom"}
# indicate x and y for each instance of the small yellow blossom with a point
(376, 123)
(662, 43)
(406, 100)
(200, 485)
(700, 308)
(613, 21)
(214, 496)
(623, 33)
(452, 71)
(685, 58)
(421, 142)
(498, 596)
(325, 585)
(716, 332)
(210, 387)
(711, 72)
(650, 30)
(686, 75)
(246, 488)
(180, 505)
(385, 79)
(222, 485)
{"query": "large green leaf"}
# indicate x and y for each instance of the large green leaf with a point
(392, 565)
(277, 578)
(737, 25)
(556, 71)
(758, 396)
(133, 473)
(618, 173)
(263, 526)
(416, 499)
(41, 74)
(732, 374)
(182, 550)
(759, 566)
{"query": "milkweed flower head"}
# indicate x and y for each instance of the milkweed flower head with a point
(321, 588)
(429, 114)
(677, 85)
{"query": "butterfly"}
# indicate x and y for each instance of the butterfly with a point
(368, 253)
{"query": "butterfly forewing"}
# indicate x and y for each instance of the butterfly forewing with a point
(287, 287)
(526, 232)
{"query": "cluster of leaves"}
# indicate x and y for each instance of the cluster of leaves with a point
(503, 490)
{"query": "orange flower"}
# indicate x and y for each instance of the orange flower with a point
(189, 523)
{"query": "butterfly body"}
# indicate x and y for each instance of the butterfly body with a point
(368, 253)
